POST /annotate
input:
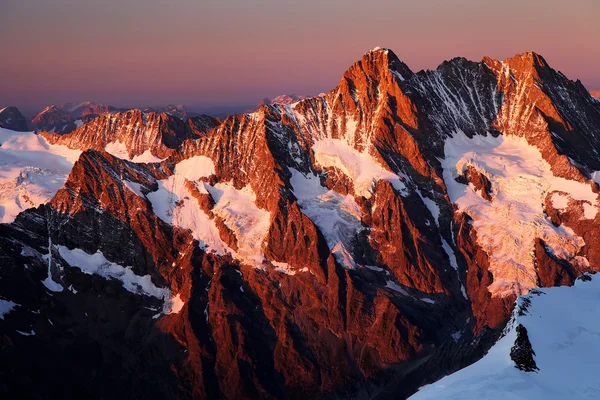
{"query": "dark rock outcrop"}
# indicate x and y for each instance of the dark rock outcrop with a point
(522, 353)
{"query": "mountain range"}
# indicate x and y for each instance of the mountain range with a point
(361, 243)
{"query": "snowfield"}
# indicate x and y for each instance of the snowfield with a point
(6, 306)
(175, 204)
(337, 216)
(360, 167)
(563, 326)
(119, 150)
(508, 225)
(31, 171)
(99, 265)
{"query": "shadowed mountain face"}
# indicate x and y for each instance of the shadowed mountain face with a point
(357, 244)
(11, 118)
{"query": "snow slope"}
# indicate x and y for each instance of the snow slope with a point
(31, 171)
(360, 167)
(563, 326)
(98, 264)
(337, 216)
(6, 306)
(175, 204)
(119, 150)
(508, 225)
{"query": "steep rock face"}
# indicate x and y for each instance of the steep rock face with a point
(201, 124)
(130, 134)
(11, 118)
(329, 247)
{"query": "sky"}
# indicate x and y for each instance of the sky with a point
(231, 52)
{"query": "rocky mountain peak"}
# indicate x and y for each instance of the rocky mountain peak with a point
(375, 65)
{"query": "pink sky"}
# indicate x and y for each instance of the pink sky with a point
(232, 52)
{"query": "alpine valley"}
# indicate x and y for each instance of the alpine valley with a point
(360, 244)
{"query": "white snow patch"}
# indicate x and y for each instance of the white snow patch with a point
(453, 263)
(589, 211)
(508, 226)
(596, 177)
(395, 287)
(559, 201)
(338, 217)
(284, 268)
(176, 304)
(134, 187)
(117, 149)
(49, 282)
(450, 253)
(147, 157)
(31, 171)
(195, 168)
(174, 203)
(431, 205)
(99, 265)
(360, 167)
(398, 75)
(563, 326)
(456, 336)
(6, 306)
(240, 213)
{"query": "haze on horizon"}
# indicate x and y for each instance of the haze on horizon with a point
(234, 52)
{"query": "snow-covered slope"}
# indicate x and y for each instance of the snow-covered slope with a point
(562, 325)
(177, 201)
(98, 264)
(511, 216)
(31, 171)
